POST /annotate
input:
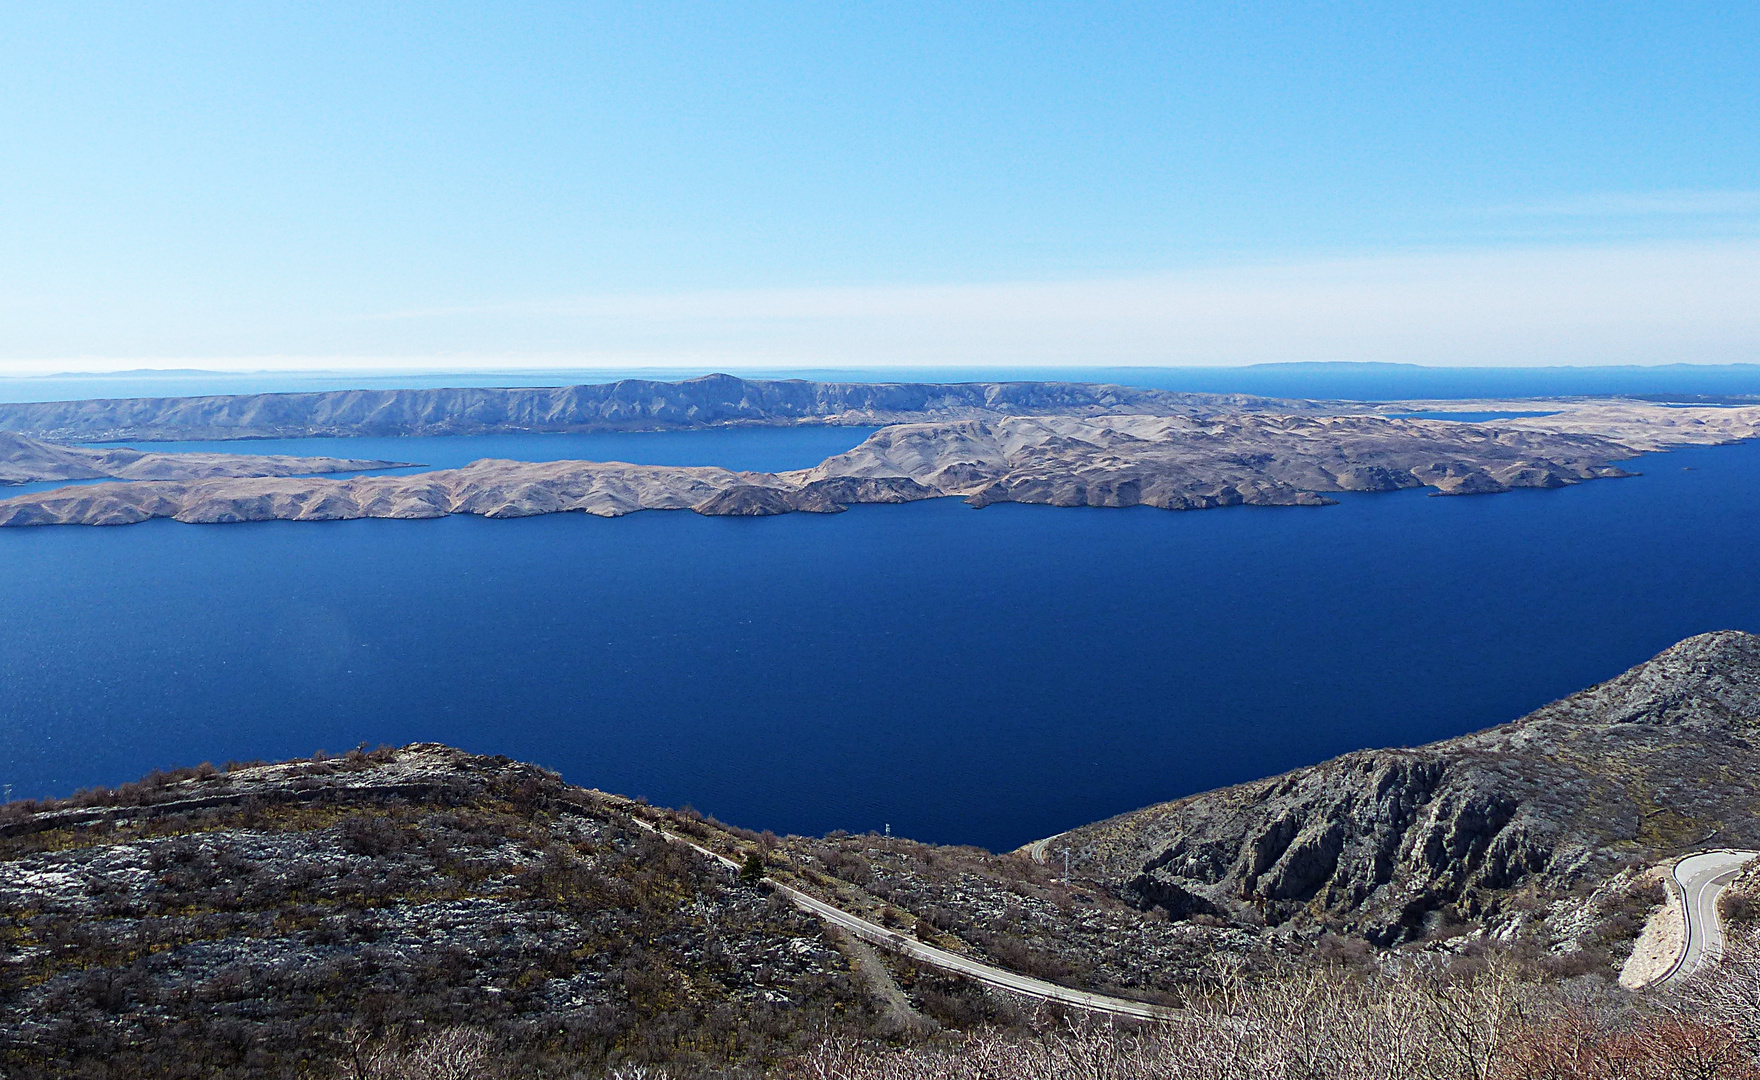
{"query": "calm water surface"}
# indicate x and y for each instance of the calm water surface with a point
(983, 676)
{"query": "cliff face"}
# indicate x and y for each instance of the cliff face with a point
(1387, 843)
(629, 405)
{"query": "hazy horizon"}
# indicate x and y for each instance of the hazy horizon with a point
(821, 373)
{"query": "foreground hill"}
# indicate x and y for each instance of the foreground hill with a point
(245, 922)
(1393, 845)
(284, 920)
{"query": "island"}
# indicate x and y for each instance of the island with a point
(625, 405)
(30, 461)
(1198, 459)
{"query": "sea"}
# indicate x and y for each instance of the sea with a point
(955, 675)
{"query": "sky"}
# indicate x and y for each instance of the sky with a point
(264, 186)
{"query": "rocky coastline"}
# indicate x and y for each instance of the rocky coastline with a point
(1174, 462)
(28, 461)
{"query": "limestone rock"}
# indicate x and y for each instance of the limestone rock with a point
(626, 405)
(1647, 765)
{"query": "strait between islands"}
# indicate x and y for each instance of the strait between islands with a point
(1053, 444)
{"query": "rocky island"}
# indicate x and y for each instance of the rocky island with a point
(28, 461)
(1189, 460)
(625, 405)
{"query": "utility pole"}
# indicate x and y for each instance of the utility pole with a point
(1066, 864)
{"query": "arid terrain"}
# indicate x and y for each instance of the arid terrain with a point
(28, 461)
(627, 405)
(1054, 444)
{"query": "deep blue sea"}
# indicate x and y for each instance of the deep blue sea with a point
(985, 676)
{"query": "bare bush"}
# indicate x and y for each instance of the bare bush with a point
(454, 1053)
(1416, 1021)
(1427, 1024)
(1576, 1046)
(1728, 993)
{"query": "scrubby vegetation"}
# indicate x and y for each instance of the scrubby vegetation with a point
(1486, 1019)
(272, 921)
(423, 913)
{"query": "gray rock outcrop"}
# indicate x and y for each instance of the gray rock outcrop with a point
(1652, 763)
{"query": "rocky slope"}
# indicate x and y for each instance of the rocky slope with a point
(272, 920)
(628, 405)
(1186, 463)
(496, 489)
(26, 461)
(1485, 829)
(1171, 462)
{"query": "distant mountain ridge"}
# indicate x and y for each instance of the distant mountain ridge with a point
(626, 405)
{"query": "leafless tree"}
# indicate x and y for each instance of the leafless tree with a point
(453, 1053)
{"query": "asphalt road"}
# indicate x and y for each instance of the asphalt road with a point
(1701, 879)
(873, 932)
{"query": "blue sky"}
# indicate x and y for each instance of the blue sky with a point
(722, 184)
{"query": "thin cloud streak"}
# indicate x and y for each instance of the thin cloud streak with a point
(1651, 204)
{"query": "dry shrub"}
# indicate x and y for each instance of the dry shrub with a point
(1577, 1047)
(1301, 1025)
(1418, 1023)
(455, 1053)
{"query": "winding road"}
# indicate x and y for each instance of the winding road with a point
(1700, 880)
(989, 975)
